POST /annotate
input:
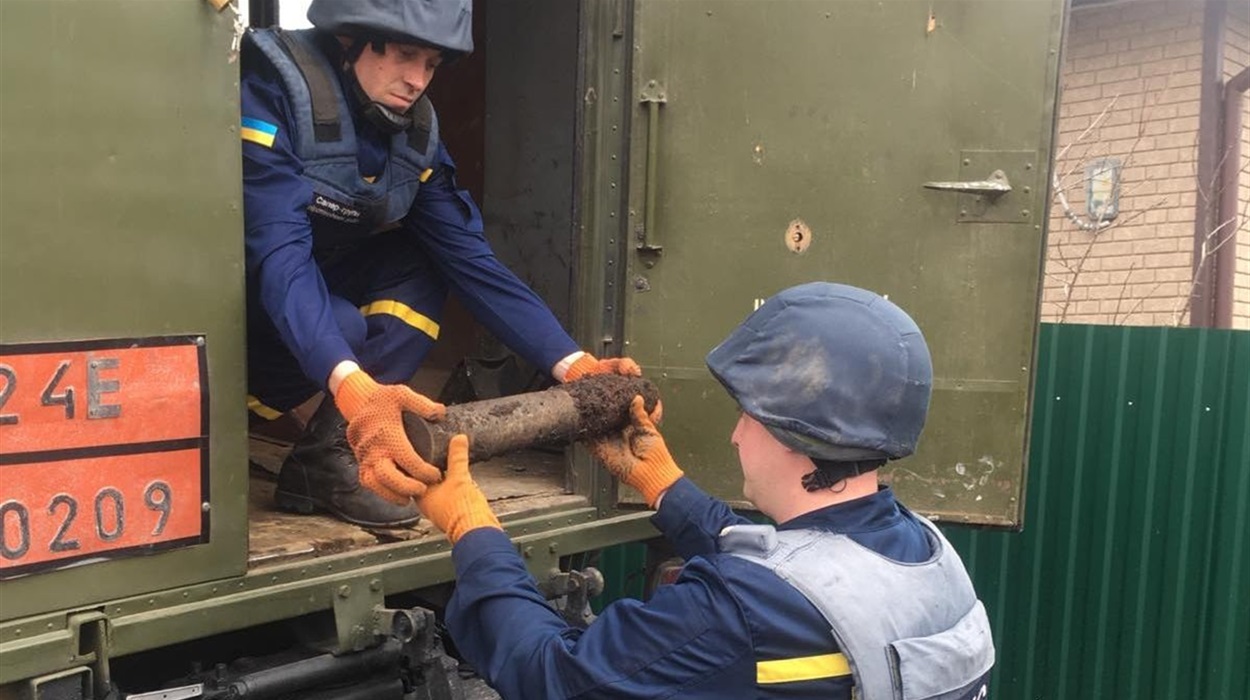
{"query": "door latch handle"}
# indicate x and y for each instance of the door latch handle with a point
(994, 186)
(653, 95)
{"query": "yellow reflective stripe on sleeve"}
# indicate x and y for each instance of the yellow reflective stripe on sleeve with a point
(803, 668)
(426, 175)
(255, 406)
(403, 312)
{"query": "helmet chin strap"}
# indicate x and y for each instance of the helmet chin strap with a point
(384, 118)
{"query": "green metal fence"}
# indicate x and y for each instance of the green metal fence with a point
(1131, 578)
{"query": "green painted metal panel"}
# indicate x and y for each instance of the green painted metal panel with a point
(759, 122)
(120, 217)
(1130, 577)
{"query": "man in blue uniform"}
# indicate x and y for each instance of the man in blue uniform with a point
(355, 233)
(849, 591)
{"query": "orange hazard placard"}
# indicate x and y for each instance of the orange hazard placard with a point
(76, 509)
(103, 450)
(62, 396)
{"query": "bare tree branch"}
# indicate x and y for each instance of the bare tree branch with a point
(1206, 253)
(1141, 300)
(1123, 288)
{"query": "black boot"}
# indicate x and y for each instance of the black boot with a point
(321, 473)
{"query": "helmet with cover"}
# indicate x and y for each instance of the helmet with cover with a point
(443, 24)
(835, 372)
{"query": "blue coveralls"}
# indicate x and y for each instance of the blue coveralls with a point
(701, 637)
(377, 302)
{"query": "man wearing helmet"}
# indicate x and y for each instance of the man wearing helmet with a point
(355, 233)
(850, 595)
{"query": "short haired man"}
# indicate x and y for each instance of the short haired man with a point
(849, 593)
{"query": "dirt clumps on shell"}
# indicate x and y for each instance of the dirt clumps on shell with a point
(469, 418)
(602, 401)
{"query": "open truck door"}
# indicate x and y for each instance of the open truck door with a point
(775, 143)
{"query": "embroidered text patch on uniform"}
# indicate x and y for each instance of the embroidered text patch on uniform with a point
(257, 131)
(338, 211)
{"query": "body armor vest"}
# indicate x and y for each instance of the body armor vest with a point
(345, 206)
(909, 631)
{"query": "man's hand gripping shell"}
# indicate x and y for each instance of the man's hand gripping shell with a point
(375, 429)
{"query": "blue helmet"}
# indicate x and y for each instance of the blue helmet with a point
(445, 24)
(835, 372)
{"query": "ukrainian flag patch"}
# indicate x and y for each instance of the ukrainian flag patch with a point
(257, 131)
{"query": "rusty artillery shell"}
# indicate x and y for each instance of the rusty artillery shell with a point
(587, 408)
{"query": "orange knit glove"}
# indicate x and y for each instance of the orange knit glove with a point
(375, 430)
(372, 482)
(587, 365)
(638, 455)
(456, 505)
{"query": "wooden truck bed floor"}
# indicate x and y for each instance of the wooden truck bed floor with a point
(519, 483)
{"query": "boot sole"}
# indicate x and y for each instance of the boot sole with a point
(304, 505)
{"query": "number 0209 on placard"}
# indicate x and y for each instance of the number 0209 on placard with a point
(103, 450)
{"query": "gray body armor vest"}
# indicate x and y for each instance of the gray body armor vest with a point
(345, 206)
(909, 631)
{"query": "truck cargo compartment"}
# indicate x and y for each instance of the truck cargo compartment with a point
(522, 483)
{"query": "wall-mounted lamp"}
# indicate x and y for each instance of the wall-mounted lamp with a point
(1102, 189)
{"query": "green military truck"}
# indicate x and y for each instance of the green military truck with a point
(653, 168)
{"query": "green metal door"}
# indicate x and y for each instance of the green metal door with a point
(775, 142)
(123, 463)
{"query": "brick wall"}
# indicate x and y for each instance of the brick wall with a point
(1237, 57)
(1130, 90)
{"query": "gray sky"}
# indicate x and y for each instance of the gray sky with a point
(291, 13)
